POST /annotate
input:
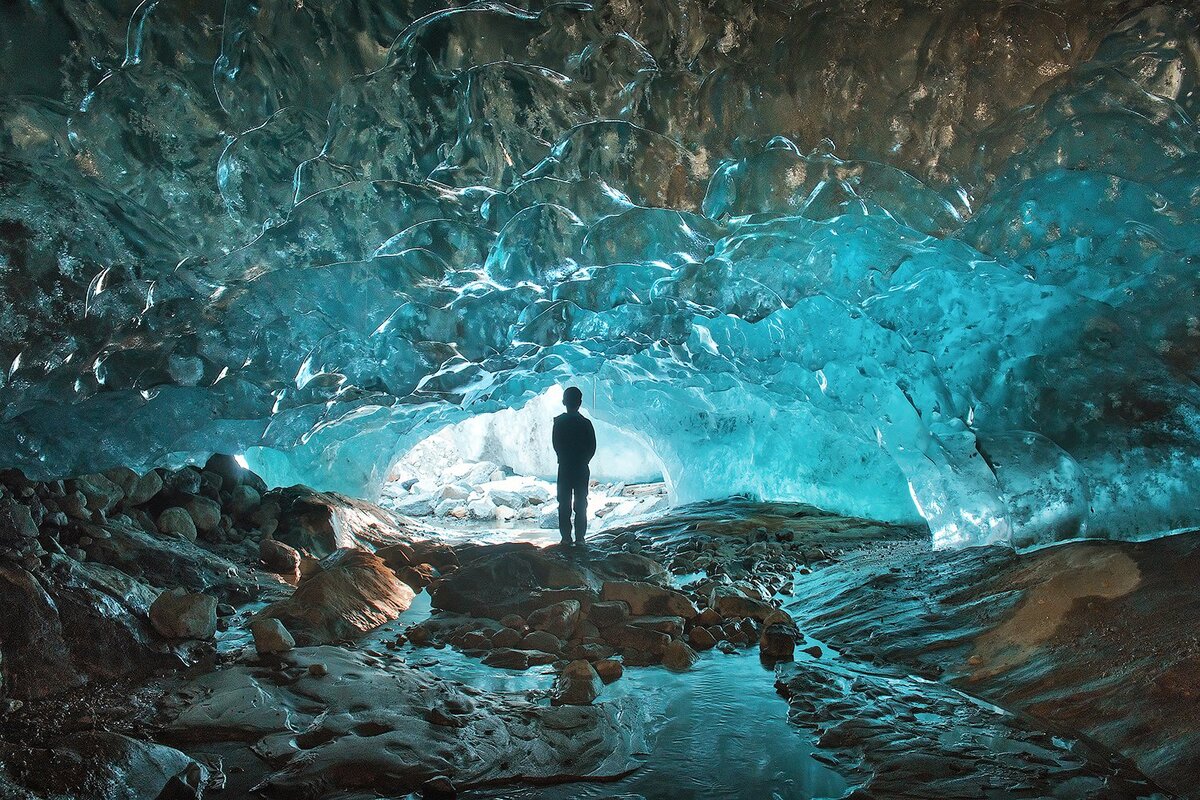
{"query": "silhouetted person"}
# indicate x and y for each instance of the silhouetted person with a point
(575, 444)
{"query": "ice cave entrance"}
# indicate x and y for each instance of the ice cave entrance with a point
(496, 473)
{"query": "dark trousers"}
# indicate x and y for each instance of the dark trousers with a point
(572, 492)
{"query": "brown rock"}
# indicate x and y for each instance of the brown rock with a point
(560, 619)
(353, 593)
(679, 657)
(179, 614)
(701, 639)
(608, 669)
(578, 685)
(646, 599)
(278, 557)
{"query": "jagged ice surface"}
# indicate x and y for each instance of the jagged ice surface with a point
(894, 258)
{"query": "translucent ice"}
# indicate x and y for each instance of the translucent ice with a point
(891, 257)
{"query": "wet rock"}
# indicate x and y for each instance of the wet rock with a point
(34, 655)
(185, 481)
(629, 637)
(672, 626)
(701, 639)
(16, 522)
(645, 599)
(179, 614)
(278, 557)
(101, 493)
(205, 513)
(730, 601)
(110, 766)
(136, 488)
(726, 647)
(74, 505)
(353, 593)
(227, 468)
(678, 656)
(419, 576)
(438, 788)
(609, 612)
(500, 580)
(542, 640)
(397, 556)
(508, 658)
(777, 642)
(608, 669)
(578, 685)
(506, 637)
(177, 522)
(325, 522)
(243, 500)
(560, 619)
(270, 636)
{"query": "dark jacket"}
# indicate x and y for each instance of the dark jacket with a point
(574, 439)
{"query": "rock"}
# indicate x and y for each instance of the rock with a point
(278, 557)
(353, 593)
(629, 637)
(101, 493)
(672, 626)
(397, 555)
(438, 554)
(646, 599)
(542, 640)
(506, 637)
(813, 651)
(33, 648)
(608, 669)
(726, 647)
(701, 639)
(455, 491)
(16, 522)
(560, 619)
(243, 500)
(185, 481)
(177, 522)
(730, 602)
(679, 657)
(228, 468)
(608, 612)
(317, 670)
(419, 576)
(179, 614)
(507, 658)
(74, 505)
(205, 513)
(578, 685)
(483, 508)
(270, 636)
(137, 488)
(324, 522)
(98, 765)
(438, 787)
(513, 621)
(417, 505)
(777, 642)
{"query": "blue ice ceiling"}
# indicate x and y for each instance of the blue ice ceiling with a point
(895, 258)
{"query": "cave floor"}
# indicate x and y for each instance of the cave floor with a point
(1070, 672)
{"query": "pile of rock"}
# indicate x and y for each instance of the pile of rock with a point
(487, 492)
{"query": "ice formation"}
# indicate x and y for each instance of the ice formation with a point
(891, 257)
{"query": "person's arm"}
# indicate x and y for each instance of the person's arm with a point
(590, 445)
(557, 438)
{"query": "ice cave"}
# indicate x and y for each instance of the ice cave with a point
(688, 399)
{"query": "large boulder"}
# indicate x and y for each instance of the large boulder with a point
(137, 488)
(354, 592)
(101, 493)
(732, 602)
(16, 522)
(578, 685)
(98, 765)
(498, 580)
(322, 523)
(205, 513)
(278, 557)
(180, 614)
(270, 636)
(646, 599)
(678, 656)
(34, 654)
(560, 618)
(177, 522)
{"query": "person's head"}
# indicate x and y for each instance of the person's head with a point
(572, 398)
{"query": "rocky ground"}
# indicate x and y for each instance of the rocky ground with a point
(477, 496)
(190, 631)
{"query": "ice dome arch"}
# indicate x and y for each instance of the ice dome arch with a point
(314, 230)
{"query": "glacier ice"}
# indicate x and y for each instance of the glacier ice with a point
(895, 258)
